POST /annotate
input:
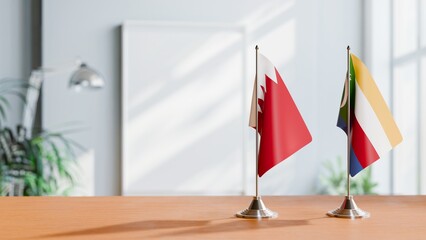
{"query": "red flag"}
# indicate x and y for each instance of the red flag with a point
(281, 127)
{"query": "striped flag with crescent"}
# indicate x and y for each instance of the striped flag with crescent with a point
(373, 129)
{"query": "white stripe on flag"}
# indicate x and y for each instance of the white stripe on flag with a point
(266, 68)
(254, 108)
(369, 122)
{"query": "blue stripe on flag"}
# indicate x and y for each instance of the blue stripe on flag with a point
(341, 123)
(355, 165)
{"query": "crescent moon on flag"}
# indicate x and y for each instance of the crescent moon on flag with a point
(346, 93)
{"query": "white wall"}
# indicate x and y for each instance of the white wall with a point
(394, 58)
(378, 58)
(306, 39)
(15, 47)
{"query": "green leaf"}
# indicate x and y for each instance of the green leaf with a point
(2, 113)
(4, 101)
(30, 181)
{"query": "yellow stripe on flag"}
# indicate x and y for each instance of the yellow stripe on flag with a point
(372, 93)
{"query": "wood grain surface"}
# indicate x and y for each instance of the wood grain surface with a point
(300, 217)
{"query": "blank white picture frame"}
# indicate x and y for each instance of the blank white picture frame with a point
(183, 108)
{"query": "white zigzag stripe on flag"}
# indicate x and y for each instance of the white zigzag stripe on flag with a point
(265, 68)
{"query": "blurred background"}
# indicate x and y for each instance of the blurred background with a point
(172, 116)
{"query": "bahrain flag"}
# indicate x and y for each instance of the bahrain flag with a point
(281, 128)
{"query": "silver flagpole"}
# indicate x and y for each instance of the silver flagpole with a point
(257, 124)
(349, 129)
(348, 209)
(257, 208)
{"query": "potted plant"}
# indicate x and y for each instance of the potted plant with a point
(32, 166)
(334, 180)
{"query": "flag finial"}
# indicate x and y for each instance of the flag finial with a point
(349, 48)
(257, 47)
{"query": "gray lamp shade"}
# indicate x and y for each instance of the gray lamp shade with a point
(86, 77)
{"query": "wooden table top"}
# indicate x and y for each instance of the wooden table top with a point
(301, 217)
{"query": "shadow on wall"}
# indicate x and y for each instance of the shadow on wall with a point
(187, 104)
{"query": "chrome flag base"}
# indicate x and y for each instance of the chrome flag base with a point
(257, 209)
(349, 209)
